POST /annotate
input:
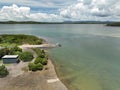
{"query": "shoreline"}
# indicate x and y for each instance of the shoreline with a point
(47, 79)
(40, 80)
(59, 81)
(57, 73)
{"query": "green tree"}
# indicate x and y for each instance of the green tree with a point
(43, 61)
(35, 67)
(26, 56)
(3, 71)
(38, 60)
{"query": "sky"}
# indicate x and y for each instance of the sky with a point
(59, 10)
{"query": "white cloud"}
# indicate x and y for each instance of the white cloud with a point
(102, 10)
(93, 10)
(40, 3)
(16, 13)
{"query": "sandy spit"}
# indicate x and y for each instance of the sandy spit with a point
(40, 80)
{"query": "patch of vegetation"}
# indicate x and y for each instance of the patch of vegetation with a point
(0, 61)
(9, 50)
(20, 39)
(43, 61)
(35, 67)
(15, 50)
(25, 56)
(39, 62)
(114, 24)
(3, 71)
(29, 22)
(9, 46)
(40, 53)
(42, 57)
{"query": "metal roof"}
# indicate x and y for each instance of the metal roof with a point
(10, 56)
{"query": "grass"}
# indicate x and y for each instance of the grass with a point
(1, 61)
(7, 45)
(19, 39)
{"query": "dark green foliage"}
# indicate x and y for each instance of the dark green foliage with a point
(29, 22)
(3, 71)
(40, 53)
(43, 61)
(41, 57)
(114, 24)
(9, 50)
(20, 39)
(26, 56)
(35, 67)
(38, 60)
(16, 49)
(2, 53)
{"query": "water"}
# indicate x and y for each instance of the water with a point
(89, 58)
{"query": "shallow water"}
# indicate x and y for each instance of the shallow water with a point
(89, 58)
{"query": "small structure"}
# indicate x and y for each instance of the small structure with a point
(10, 59)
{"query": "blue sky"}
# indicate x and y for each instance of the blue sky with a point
(59, 10)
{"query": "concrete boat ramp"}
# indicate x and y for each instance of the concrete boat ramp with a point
(42, 46)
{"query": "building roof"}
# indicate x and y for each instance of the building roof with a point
(10, 56)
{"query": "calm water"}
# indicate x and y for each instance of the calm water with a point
(89, 58)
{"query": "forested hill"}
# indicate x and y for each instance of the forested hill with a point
(108, 23)
(114, 24)
(28, 22)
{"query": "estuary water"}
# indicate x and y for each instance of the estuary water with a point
(89, 58)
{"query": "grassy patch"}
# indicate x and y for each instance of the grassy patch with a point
(19, 39)
(1, 61)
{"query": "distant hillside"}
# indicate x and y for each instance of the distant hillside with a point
(26, 22)
(86, 22)
(109, 23)
(114, 24)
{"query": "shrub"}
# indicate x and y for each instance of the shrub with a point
(40, 53)
(39, 66)
(9, 50)
(3, 71)
(35, 67)
(20, 39)
(26, 56)
(38, 60)
(43, 61)
(16, 48)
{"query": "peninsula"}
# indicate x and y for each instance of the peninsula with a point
(34, 71)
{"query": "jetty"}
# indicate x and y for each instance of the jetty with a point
(42, 46)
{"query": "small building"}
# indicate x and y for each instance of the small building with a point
(10, 59)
